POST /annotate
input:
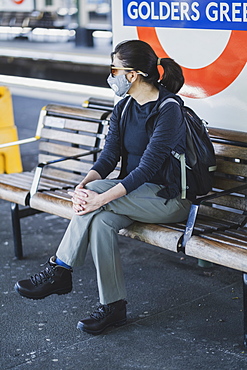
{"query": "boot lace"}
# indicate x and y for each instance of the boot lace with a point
(43, 276)
(101, 312)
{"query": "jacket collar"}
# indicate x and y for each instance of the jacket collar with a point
(164, 94)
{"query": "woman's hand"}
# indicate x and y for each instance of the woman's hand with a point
(84, 200)
(79, 195)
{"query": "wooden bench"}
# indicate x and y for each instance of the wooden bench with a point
(216, 228)
(70, 140)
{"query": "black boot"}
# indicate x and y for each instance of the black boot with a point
(112, 314)
(54, 279)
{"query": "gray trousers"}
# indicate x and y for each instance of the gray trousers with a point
(99, 230)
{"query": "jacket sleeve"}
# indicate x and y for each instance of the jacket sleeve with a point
(168, 133)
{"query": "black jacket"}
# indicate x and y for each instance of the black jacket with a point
(166, 130)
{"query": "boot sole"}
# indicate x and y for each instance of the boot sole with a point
(81, 327)
(58, 292)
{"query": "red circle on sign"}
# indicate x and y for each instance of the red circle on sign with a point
(18, 2)
(215, 77)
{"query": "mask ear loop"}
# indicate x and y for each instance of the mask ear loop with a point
(142, 73)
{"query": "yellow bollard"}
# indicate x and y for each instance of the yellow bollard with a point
(10, 159)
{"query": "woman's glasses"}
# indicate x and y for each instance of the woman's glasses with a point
(115, 69)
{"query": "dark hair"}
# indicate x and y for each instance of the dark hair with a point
(139, 55)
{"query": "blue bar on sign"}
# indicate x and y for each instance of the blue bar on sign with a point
(222, 15)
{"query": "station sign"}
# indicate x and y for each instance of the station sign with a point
(227, 15)
(208, 39)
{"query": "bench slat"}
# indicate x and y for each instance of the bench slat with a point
(242, 233)
(230, 151)
(226, 183)
(218, 253)
(235, 202)
(24, 182)
(206, 223)
(222, 214)
(46, 157)
(20, 180)
(56, 205)
(58, 194)
(72, 112)
(55, 173)
(68, 137)
(63, 181)
(82, 126)
(158, 235)
(52, 184)
(69, 164)
(225, 240)
(14, 194)
(226, 134)
(60, 150)
(202, 226)
(231, 168)
(75, 125)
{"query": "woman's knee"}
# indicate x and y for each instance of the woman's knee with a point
(93, 185)
(103, 220)
(100, 186)
(106, 220)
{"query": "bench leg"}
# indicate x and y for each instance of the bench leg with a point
(16, 230)
(245, 307)
(189, 228)
(204, 264)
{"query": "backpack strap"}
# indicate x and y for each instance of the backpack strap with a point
(183, 176)
(125, 107)
(168, 100)
(122, 121)
(180, 157)
(122, 124)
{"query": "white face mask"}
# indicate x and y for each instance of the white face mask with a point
(119, 84)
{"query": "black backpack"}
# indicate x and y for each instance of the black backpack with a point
(200, 162)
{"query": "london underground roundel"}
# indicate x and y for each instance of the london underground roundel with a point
(18, 2)
(222, 71)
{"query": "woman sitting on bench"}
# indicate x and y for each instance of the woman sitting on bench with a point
(148, 189)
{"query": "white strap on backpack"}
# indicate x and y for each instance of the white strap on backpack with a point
(180, 157)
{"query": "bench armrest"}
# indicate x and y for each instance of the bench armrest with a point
(40, 166)
(194, 211)
(20, 142)
(30, 139)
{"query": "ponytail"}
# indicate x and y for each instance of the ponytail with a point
(172, 78)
